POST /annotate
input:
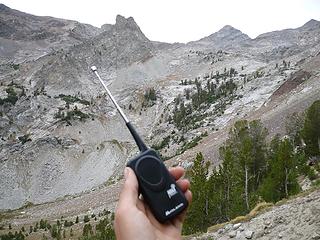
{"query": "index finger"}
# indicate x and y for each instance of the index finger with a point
(177, 172)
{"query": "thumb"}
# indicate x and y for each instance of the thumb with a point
(129, 193)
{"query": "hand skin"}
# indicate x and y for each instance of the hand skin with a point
(133, 218)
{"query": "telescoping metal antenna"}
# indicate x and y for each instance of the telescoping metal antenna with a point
(141, 145)
(157, 186)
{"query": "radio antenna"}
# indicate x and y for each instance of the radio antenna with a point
(141, 145)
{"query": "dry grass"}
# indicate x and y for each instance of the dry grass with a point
(258, 209)
(216, 227)
(240, 219)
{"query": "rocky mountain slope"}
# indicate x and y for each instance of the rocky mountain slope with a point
(27, 37)
(61, 136)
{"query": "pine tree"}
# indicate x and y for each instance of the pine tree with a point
(232, 185)
(281, 180)
(54, 231)
(197, 218)
(258, 134)
(247, 141)
(86, 218)
(87, 230)
(218, 197)
(43, 224)
(311, 130)
(294, 126)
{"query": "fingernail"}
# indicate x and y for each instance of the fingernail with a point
(126, 173)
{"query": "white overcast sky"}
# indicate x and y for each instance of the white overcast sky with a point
(180, 20)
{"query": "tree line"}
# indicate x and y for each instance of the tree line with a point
(185, 115)
(253, 170)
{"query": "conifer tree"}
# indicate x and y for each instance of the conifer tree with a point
(232, 203)
(311, 130)
(281, 180)
(197, 218)
(247, 141)
(294, 125)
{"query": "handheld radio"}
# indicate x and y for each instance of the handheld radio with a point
(157, 186)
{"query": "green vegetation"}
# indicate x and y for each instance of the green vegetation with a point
(87, 230)
(150, 97)
(39, 91)
(164, 143)
(311, 130)
(15, 66)
(73, 99)
(55, 231)
(294, 126)
(74, 114)
(11, 236)
(86, 218)
(12, 97)
(197, 217)
(252, 170)
(103, 231)
(187, 115)
(67, 223)
(71, 115)
(281, 180)
(44, 224)
(25, 138)
(192, 143)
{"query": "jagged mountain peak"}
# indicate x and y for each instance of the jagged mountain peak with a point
(311, 24)
(122, 22)
(225, 37)
(228, 28)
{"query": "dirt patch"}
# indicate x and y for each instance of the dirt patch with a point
(293, 81)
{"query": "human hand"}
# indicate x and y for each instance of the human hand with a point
(135, 221)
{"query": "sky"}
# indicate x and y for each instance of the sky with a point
(180, 20)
